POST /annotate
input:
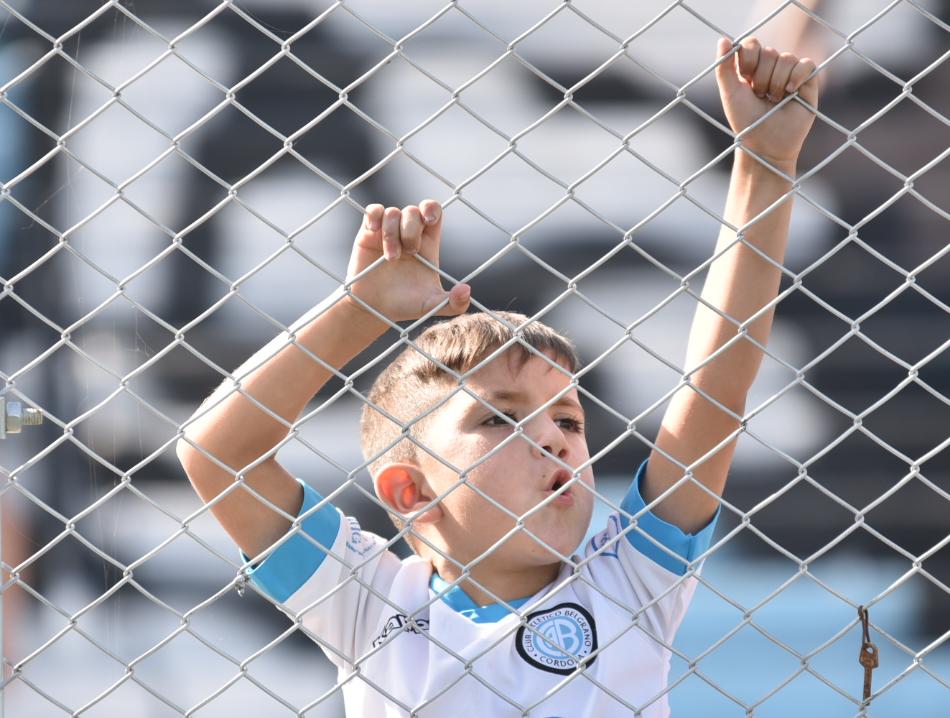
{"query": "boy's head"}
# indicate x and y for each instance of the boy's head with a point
(464, 524)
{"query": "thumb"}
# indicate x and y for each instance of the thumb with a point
(726, 74)
(459, 298)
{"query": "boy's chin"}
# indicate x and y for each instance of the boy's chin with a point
(549, 553)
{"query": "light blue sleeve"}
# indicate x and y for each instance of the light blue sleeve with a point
(283, 572)
(685, 546)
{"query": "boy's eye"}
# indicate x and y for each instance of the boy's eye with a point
(570, 424)
(573, 425)
(496, 420)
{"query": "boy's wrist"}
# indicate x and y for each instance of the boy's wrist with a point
(364, 321)
(750, 165)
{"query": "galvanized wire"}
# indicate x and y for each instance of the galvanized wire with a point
(625, 334)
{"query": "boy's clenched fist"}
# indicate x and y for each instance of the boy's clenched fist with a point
(402, 288)
(751, 82)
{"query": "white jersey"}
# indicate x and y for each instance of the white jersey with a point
(595, 642)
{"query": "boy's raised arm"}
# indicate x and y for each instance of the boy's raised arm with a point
(230, 432)
(739, 283)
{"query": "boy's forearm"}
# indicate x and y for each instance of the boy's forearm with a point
(282, 377)
(740, 282)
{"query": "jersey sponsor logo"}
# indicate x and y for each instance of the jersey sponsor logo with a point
(401, 622)
(563, 637)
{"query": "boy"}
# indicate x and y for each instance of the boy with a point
(493, 615)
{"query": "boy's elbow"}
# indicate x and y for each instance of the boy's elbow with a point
(182, 449)
(200, 471)
(188, 453)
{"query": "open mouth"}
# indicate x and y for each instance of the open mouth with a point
(558, 480)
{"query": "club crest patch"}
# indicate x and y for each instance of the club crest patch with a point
(563, 637)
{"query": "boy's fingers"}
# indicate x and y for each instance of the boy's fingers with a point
(762, 76)
(432, 230)
(410, 229)
(391, 243)
(431, 211)
(748, 54)
(459, 298)
(807, 90)
(780, 75)
(803, 68)
(725, 70)
(373, 217)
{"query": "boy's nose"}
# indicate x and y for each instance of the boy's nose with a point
(559, 453)
(552, 440)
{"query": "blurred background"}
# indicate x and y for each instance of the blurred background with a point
(133, 277)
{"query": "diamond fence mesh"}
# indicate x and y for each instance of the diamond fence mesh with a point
(173, 191)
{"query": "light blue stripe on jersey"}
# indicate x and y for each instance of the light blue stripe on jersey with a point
(461, 602)
(687, 546)
(282, 573)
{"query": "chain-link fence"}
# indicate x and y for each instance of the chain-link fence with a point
(180, 181)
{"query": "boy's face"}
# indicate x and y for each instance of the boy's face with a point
(518, 476)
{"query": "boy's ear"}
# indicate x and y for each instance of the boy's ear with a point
(404, 489)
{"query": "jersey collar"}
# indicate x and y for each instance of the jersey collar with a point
(461, 602)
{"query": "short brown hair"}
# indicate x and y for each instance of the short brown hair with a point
(411, 384)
